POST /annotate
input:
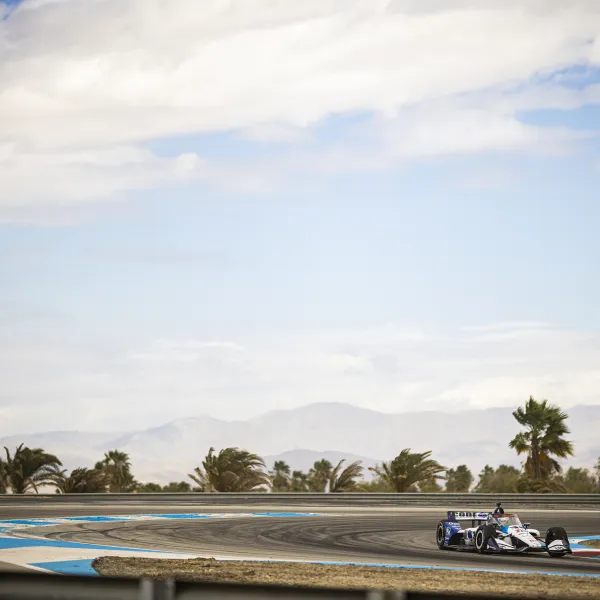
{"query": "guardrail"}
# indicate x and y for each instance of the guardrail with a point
(357, 500)
(15, 586)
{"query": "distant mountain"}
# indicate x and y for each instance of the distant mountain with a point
(169, 452)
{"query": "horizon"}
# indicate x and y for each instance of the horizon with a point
(294, 409)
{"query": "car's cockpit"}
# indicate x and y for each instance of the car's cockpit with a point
(504, 521)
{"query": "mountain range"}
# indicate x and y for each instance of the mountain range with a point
(327, 430)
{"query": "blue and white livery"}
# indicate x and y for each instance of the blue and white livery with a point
(493, 533)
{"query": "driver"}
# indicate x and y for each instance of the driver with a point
(498, 511)
(498, 515)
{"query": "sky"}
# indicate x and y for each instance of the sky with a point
(235, 206)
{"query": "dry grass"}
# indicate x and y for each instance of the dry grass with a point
(302, 574)
(591, 543)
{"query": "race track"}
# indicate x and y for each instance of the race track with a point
(400, 536)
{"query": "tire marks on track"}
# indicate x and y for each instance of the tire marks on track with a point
(401, 538)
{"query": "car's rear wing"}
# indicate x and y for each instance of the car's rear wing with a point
(461, 515)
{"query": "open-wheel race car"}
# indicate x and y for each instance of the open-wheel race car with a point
(498, 533)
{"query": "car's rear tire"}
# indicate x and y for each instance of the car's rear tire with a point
(440, 536)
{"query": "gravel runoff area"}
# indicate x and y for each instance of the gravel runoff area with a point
(338, 576)
(591, 543)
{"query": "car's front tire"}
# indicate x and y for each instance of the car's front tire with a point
(440, 536)
(557, 533)
(481, 540)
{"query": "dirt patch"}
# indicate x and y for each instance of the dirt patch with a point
(591, 543)
(302, 574)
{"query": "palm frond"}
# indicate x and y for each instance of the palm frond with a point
(231, 470)
(345, 480)
(28, 468)
(409, 469)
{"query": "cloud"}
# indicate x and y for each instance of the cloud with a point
(85, 84)
(387, 368)
(431, 131)
(29, 178)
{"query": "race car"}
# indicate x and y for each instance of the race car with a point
(498, 533)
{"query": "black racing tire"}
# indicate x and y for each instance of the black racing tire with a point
(440, 536)
(482, 535)
(481, 541)
(556, 533)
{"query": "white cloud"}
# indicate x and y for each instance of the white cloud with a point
(81, 79)
(73, 177)
(110, 386)
(429, 131)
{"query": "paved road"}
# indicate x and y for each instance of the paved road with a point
(393, 536)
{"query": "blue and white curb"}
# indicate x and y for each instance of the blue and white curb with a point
(19, 544)
(580, 549)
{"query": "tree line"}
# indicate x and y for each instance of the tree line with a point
(542, 443)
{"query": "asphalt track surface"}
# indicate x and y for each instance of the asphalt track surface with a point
(401, 536)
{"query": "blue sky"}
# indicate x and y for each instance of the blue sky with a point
(295, 225)
(356, 249)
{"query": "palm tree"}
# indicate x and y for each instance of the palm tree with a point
(543, 440)
(116, 467)
(281, 476)
(319, 475)
(459, 480)
(29, 468)
(345, 481)
(409, 469)
(232, 470)
(81, 481)
(299, 482)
